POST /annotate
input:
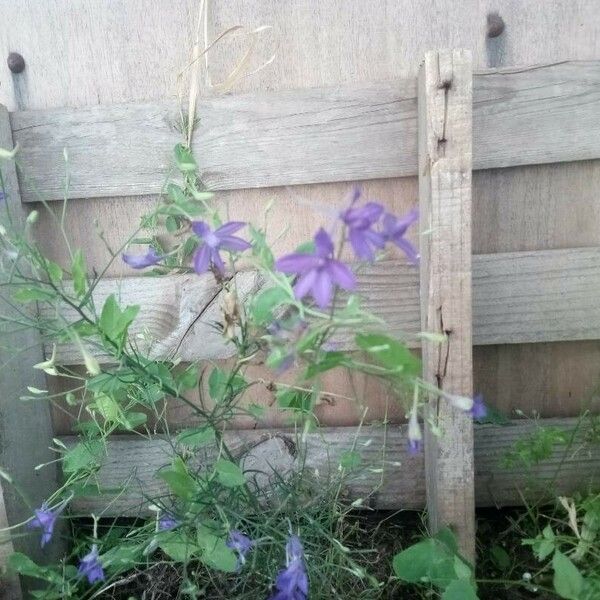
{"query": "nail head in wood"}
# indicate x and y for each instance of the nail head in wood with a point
(15, 62)
(495, 25)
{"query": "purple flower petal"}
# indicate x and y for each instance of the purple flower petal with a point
(322, 289)
(323, 244)
(200, 228)
(217, 261)
(291, 583)
(45, 519)
(409, 250)
(202, 259)
(141, 261)
(341, 275)
(360, 245)
(167, 522)
(305, 283)
(479, 410)
(91, 567)
(229, 228)
(241, 543)
(297, 263)
(234, 244)
(414, 447)
(213, 241)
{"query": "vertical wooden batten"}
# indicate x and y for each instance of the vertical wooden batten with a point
(25, 427)
(445, 165)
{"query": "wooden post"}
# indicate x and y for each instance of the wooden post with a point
(25, 427)
(445, 162)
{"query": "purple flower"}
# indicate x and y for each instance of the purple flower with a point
(479, 410)
(415, 436)
(167, 522)
(318, 272)
(360, 221)
(394, 229)
(44, 519)
(241, 543)
(141, 261)
(91, 567)
(292, 582)
(214, 242)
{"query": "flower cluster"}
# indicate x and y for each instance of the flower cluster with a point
(319, 273)
(45, 519)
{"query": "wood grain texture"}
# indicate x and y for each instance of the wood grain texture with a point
(10, 587)
(261, 140)
(128, 470)
(107, 54)
(445, 165)
(518, 297)
(25, 427)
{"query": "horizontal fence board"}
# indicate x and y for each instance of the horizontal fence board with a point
(518, 297)
(344, 133)
(129, 467)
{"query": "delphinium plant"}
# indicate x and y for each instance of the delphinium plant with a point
(225, 531)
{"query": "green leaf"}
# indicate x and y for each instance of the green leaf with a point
(326, 362)
(216, 554)
(296, 400)
(182, 484)
(132, 420)
(461, 589)
(176, 194)
(78, 272)
(265, 303)
(427, 561)
(33, 294)
(121, 557)
(107, 406)
(260, 248)
(500, 558)
(256, 410)
(229, 474)
(568, 581)
(184, 159)
(113, 321)
(22, 564)
(172, 224)
(198, 436)
(350, 460)
(54, 271)
(306, 248)
(86, 455)
(222, 386)
(447, 537)
(390, 353)
(177, 546)
(188, 379)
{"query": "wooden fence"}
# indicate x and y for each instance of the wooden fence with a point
(527, 116)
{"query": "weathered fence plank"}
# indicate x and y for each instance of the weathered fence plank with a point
(445, 164)
(354, 132)
(518, 297)
(127, 475)
(10, 587)
(25, 427)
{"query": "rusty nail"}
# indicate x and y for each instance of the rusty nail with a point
(495, 25)
(16, 63)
